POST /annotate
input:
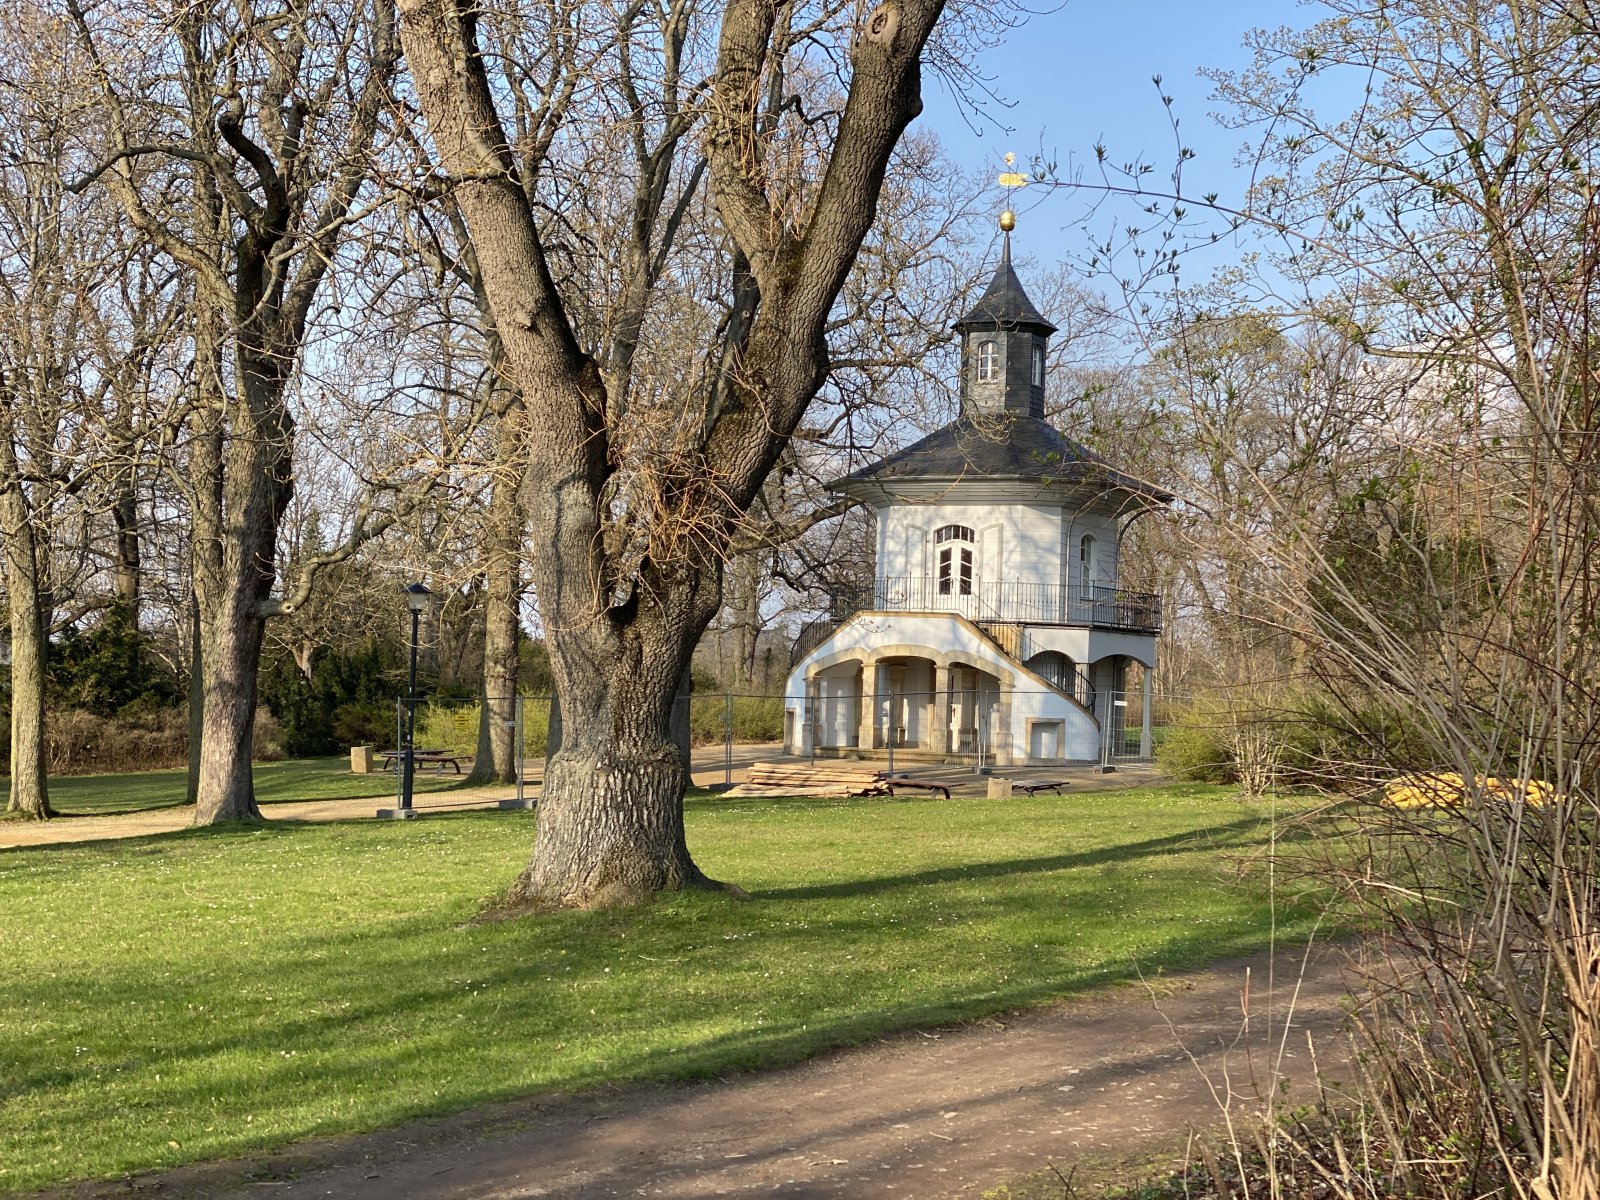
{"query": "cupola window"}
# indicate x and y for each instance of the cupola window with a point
(988, 361)
(1038, 365)
(955, 560)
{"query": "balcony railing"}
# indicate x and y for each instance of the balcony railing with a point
(1027, 603)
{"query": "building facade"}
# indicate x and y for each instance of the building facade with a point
(995, 629)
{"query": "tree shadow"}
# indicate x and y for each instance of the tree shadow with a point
(1232, 835)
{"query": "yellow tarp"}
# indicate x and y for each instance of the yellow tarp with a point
(1447, 789)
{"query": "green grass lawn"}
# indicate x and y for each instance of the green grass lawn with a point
(295, 779)
(213, 992)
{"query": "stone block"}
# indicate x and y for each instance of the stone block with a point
(361, 760)
(999, 789)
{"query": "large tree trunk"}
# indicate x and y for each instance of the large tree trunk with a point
(197, 699)
(624, 590)
(126, 565)
(744, 606)
(234, 578)
(496, 761)
(611, 810)
(30, 794)
(231, 635)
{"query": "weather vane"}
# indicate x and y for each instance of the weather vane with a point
(1011, 181)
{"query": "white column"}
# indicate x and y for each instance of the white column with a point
(939, 726)
(866, 739)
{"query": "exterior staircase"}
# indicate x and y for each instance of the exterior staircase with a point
(1007, 637)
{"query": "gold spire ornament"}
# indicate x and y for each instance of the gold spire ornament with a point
(1011, 180)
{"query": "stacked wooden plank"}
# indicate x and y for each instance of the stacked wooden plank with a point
(799, 779)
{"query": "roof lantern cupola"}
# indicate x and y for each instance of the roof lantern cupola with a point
(1003, 342)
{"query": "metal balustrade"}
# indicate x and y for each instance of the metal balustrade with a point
(1077, 604)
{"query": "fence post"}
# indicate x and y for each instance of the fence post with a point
(888, 727)
(519, 725)
(1146, 747)
(521, 733)
(727, 739)
(1106, 730)
(399, 812)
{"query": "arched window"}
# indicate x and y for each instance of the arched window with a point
(988, 361)
(1038, 365)
(955, 559)
(1087, 560)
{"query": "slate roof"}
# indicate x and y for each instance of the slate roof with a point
(1003, 302)
(1005, 446)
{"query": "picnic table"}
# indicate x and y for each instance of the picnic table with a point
(392, 759)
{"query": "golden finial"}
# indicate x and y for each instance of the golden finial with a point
(1011, 180)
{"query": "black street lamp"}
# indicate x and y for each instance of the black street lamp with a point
(417, 596)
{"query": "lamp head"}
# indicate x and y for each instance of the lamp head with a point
(416, 595)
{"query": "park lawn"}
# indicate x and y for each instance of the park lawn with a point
(276, 782)
(220, 991)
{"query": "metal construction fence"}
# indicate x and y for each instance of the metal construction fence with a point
(987, 727)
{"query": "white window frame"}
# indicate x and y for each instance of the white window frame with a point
(1088, 560)
(956, 572)
(988, 361)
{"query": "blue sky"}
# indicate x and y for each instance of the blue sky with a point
(1081, 75)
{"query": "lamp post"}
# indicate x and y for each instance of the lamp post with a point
(417, 596)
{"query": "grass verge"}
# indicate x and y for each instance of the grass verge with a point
(276, 782)
(216, 992)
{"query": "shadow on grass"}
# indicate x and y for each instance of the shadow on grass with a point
(1230, 836)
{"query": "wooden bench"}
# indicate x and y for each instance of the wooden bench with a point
(393, 758)
(1039, 785)
(894, 781)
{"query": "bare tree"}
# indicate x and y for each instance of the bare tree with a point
(55, 249)
(633, 498)
(259, 120)
(1432, 551)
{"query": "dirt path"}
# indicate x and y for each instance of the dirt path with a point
(711, 767)
(934, 1115)
(61, 830)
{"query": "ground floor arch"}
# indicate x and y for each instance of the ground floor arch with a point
(957, 696)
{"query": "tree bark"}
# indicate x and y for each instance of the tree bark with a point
(496, 760)
(126, 565)
(197, 699)
(622, 621)
(611, 811)
(269, 180)
(234, 578)
(30, 793)
(231, 636)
